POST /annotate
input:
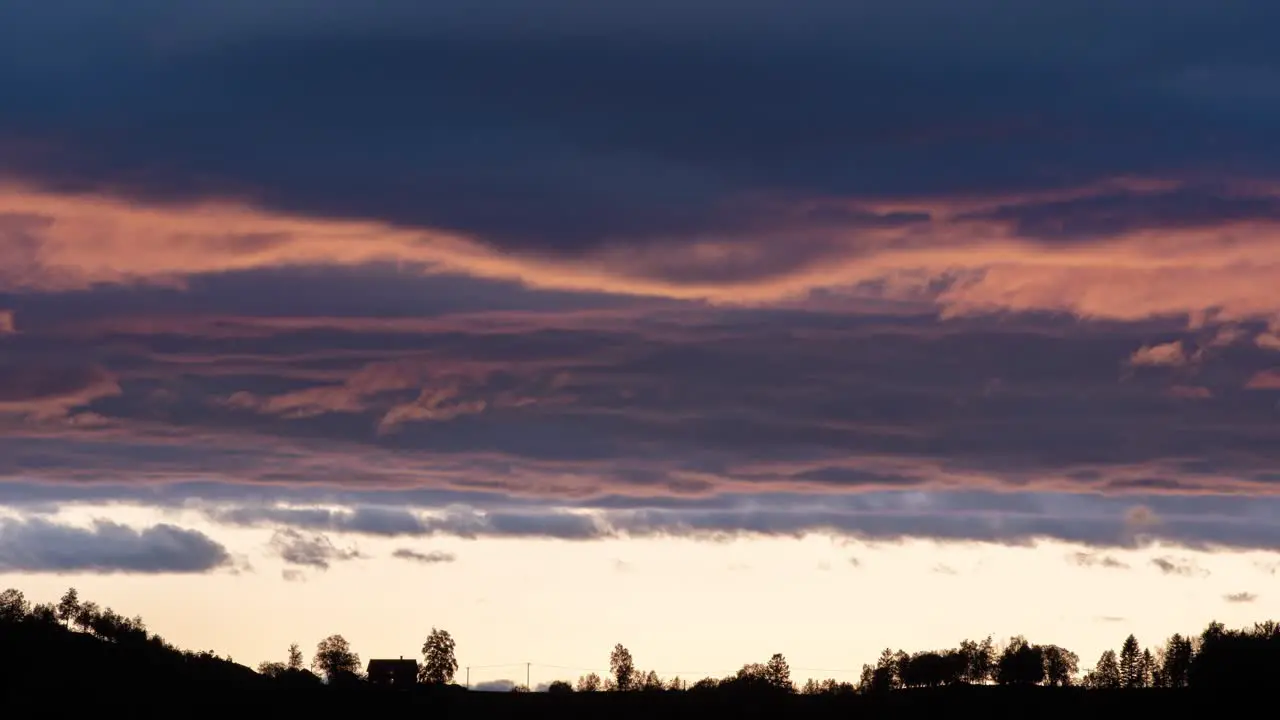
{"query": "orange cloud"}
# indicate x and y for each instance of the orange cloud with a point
(40, 395)
(960, 260)
(1169, 354)
(444, 391)
(1265, 380)
(7, 324)
(1268, 340)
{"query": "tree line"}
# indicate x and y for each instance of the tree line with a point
(1217, 657)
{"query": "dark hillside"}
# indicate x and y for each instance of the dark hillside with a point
(77, 658)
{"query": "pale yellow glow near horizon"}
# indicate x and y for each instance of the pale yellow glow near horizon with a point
(683, 607)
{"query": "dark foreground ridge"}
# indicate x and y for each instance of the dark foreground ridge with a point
(56, 661)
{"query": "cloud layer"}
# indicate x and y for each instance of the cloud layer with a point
(39, 546)
(608, 272)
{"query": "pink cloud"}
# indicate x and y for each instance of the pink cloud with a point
(1171, 354)
(1265, 380)
(44, 394)
(960, 260)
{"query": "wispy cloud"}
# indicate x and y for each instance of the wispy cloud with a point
(433, 557)
(1174, 566)
(1084, 559)
(316, 551)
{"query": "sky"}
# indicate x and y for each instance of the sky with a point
(712, 329)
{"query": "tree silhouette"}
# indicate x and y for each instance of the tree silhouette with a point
(650, 682)
(1106, 673)
(44, 613)
(13, 606)
(589, 683)
(830, 686)
(1021, 663)
(704, 685)
(438, 662)
(69, 606)
(278, 669)
(1131, 666)
(778, 673)
(1236, 659)
(1147, 666)
(86, 615)
(932, 668)
(272, 669)
(335, 660)
(559, 687)
(980, 659)
(1060, 665)
(884, 677)
(623, 668)
(295, 657)
(1175, 671)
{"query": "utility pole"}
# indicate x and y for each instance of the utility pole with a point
(526, 677)
(468, 677)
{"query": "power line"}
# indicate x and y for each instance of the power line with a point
(499, 665)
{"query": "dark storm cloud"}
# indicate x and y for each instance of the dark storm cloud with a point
(41, 546)
(554, 127)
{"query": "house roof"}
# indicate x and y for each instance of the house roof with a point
(392, 665)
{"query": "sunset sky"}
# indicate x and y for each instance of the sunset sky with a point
(716, 329)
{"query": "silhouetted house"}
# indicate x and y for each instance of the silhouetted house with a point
(393, 673)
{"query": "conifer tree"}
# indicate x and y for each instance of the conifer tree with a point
(1131, 667)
